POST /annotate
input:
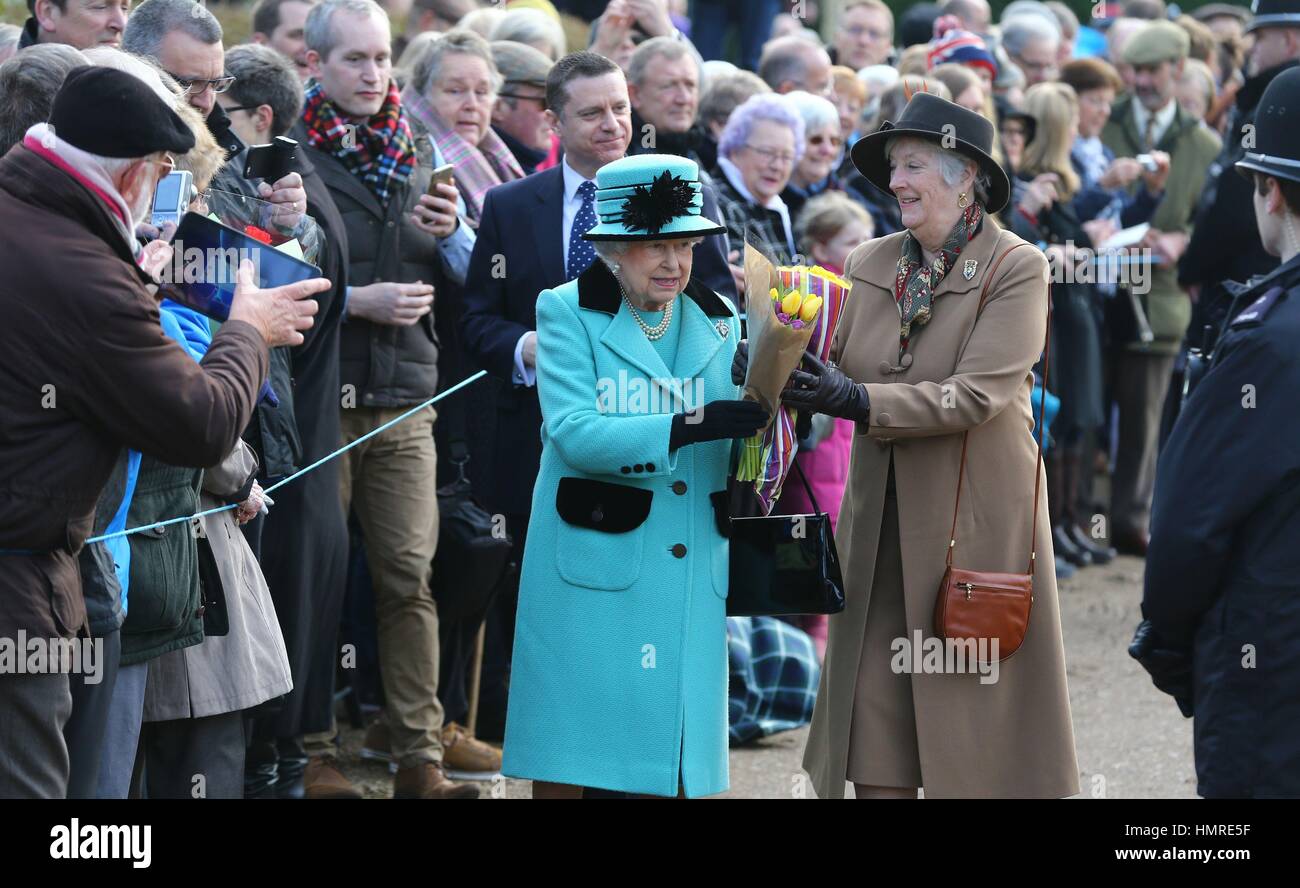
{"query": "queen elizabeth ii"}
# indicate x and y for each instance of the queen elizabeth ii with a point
(619, 678)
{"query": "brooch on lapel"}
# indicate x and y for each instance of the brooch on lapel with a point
(723, 328)
(968, 268)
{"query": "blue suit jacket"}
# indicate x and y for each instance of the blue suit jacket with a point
(518, 254)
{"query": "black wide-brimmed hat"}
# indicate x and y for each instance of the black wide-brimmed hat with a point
(1274, 14)
(947, 125)
(1276, 148)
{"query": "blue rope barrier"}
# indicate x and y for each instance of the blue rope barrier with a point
(298, 474)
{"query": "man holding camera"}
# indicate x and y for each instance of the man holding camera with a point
(89, 371)
(1145, 340)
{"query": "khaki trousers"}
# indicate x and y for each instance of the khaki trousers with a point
(1139, 381)
(391, 482)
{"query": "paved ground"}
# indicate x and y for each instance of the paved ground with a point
(1132, 741)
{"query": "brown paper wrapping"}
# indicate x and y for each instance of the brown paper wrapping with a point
(774, 348)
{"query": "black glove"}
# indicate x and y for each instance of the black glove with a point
(740, 363)
(825, 389)
(717, 421)
(1169, 666)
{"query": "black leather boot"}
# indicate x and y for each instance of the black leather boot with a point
(261, 770)
(1072, 472)
(1064, 546)
(1099, 551)
(293, 761)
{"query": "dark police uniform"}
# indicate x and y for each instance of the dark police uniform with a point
(1222, 590)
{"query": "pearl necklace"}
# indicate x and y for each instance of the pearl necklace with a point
(658, 330)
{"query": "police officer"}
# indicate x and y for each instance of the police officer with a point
(1222, 593)
(1225, 245)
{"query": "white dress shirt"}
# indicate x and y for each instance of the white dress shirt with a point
(525, 375)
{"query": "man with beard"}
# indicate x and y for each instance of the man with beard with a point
(1145, 342)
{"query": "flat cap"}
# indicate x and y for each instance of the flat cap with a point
(1157, 42)
(521, 63)
(114, 114)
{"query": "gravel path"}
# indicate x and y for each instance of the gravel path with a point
(1132, 742)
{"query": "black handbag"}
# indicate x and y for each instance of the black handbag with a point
(473, 550)
(783, 565)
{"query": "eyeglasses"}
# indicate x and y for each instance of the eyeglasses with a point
(197, 87)
(539, 99)
(771, 155)
(232, 109)
(818, 140)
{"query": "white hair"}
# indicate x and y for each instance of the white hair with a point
(139, 67)
(817, 112)
(1020, 30)
(530, 26)
(611, 252)
(952, 165)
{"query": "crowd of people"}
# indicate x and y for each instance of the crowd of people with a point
(459, 174)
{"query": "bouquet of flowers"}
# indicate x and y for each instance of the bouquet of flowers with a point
(791, 309)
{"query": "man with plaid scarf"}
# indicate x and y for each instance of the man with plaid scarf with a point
(360, 142)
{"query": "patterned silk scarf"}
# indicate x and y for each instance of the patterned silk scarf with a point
(478, 167)
(915, 282)
(379, 152)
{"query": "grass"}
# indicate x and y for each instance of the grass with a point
(236, 18)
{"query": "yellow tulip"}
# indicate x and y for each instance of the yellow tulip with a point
(776, 297)
(810, 308)
(790, 304)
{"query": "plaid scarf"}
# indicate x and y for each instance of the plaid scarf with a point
(915, 283)
(478, 167)
(379, 152)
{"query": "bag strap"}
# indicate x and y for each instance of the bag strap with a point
(806, 488)
(1038, 464)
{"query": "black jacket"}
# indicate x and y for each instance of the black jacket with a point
(1225, 243)
(387, 366)
(1223, 567)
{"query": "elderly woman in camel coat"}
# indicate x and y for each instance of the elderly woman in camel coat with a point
(919, 361)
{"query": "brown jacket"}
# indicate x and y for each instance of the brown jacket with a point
(86, 371)
(1012, 737)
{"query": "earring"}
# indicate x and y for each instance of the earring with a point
(616, 269)
(961, 200)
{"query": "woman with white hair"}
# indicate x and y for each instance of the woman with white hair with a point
(533, 27)
(758, 151)
(814, 174)
(932, 362)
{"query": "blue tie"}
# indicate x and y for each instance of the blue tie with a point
(581, 252)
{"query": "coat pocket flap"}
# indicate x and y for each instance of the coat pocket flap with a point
(602, 505)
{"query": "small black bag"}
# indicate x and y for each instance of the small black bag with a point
(472, 553)
(783, 565)
(212, 603)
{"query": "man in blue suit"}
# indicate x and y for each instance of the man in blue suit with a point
(530, 240)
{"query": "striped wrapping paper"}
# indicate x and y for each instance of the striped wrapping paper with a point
(779, 443)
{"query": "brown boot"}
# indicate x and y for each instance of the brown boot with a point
(323, 780)
(427, 780)
(465, 757)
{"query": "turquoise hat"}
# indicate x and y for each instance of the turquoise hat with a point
(650, 197)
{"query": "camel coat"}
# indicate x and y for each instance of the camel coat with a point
(1013, 737)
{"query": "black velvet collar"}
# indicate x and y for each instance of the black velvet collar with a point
(598, 291)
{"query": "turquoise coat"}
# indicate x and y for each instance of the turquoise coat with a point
(619, 678)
